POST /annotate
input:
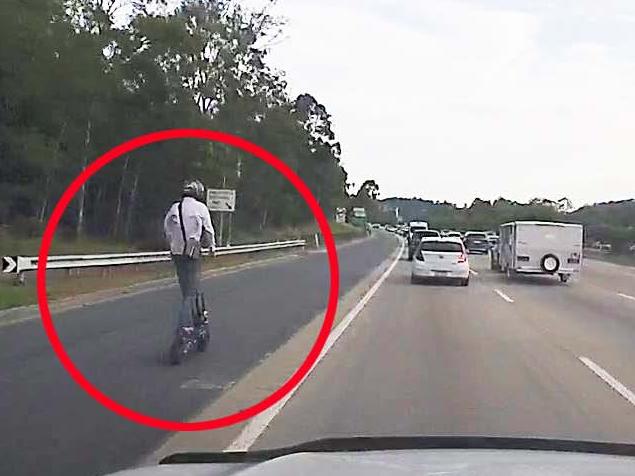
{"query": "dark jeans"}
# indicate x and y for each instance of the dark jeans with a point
(188, 271)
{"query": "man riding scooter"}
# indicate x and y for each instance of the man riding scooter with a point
(188, 228)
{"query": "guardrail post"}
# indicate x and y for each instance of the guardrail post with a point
(317, 240)
(20, 279)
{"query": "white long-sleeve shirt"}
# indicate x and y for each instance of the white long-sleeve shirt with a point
(197, 223)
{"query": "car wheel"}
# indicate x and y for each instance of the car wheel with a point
(465, 282)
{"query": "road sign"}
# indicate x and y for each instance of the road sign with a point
(221, 200)
(359, 212)
(340, 215)
(9, 264)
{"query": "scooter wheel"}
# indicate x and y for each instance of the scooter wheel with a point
(203, 341)
(177, 353)
(202, 337)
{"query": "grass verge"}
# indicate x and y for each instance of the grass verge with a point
(69, 283)
(624, 260)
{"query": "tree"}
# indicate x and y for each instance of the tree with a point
(564, 205)
(74, 83)
(368, 190)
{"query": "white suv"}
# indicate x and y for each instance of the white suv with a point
(441, 258)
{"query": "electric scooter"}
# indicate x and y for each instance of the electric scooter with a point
(189, 339)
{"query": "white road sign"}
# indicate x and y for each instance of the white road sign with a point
(340, 215)
(9, 264)
(221, 200)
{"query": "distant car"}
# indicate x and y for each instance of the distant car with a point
(598, 245)
(454, 234)
(476, 242)
(441, 258)
(415, 237)
(493, 240)
(417, 225)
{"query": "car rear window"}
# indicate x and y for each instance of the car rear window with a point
(477, 236)
(425, 234)
(442, 246)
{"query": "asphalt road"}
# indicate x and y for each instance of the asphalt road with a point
(530, 357)
(50, 426)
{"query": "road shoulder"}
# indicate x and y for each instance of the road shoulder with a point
(262, 380)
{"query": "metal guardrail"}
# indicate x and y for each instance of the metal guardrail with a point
(21, 264)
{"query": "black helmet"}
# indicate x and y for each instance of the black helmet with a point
(194, 189)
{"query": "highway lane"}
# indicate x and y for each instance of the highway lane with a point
(592, 318)
(497, 358)
(50, 426)
(609, 276)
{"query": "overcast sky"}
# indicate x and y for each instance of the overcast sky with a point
(451, 99)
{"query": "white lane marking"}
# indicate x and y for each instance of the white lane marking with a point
(260, 422)
(626, 296)
(503, 295)
(473, 272)
(609, 379)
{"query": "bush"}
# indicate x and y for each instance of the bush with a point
(24, 227)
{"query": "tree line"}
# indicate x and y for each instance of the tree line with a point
(612, 222)
(80, 76)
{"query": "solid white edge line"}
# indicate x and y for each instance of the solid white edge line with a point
(609, 379)
(626, 296)
(503, 295)
(258, 424)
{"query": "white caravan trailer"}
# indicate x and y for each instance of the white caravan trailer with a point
(536, 247)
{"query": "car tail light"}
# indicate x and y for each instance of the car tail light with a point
(523, 258)
(462, 258)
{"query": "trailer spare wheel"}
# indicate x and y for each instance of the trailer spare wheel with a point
(550, 263)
